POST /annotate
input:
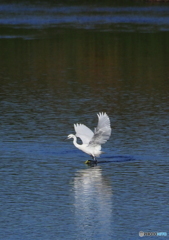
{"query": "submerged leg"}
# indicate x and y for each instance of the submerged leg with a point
(94, 159)
(92, 162)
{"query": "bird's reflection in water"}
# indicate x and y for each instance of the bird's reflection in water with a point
(93, 204)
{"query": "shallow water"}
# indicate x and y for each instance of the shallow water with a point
(53, 76)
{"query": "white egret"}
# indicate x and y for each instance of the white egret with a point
(91, 141)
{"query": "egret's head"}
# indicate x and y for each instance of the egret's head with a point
(70, 136)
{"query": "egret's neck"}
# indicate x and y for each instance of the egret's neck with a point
(75, 141)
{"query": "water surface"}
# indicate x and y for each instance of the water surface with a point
(55, 73)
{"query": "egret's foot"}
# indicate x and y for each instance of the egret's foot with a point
(91, 162)
(87, 162)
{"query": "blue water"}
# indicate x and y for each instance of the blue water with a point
(145, 18)
(47, 192)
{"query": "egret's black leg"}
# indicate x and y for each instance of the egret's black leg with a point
(92, 162)
(94, 159)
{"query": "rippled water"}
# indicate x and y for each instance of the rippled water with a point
(55, 75)
(143, 18)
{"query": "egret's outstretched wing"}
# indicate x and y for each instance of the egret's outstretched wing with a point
(102, 131)
(83, 132)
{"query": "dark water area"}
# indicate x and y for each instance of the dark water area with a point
(60, 65)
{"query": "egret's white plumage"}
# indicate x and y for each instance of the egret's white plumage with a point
(92, 140)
